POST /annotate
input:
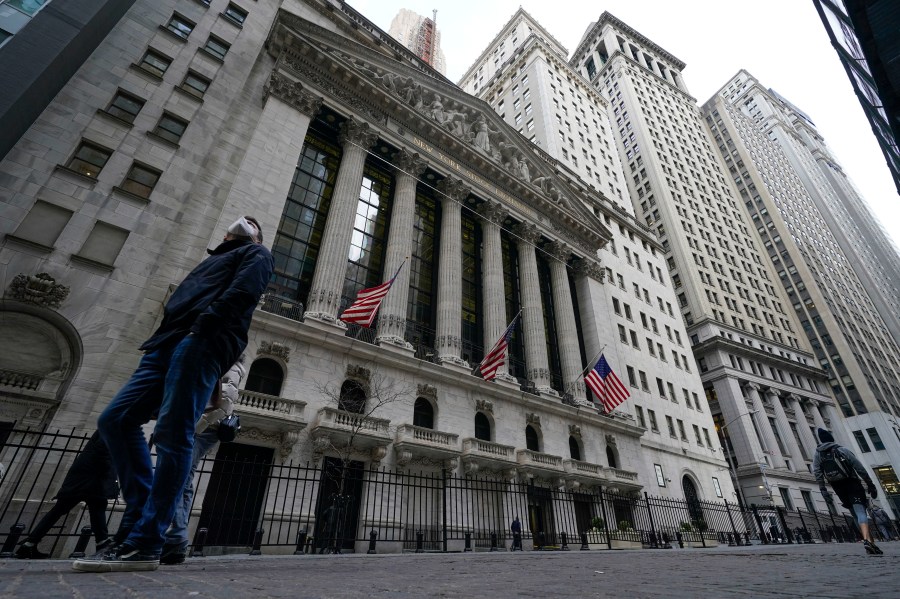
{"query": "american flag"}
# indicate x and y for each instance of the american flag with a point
(604, 383)
(497, 356)
(363, 310)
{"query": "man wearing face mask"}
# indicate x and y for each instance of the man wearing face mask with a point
(203, 332)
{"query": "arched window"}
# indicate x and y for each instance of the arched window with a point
(423, 413)
(265, 376)
(353, 397)
(611, 457)
(482, 427)
(574, 450)
(531, 439)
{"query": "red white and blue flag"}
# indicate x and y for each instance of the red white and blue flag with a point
(363, 310)
(497, 356)
(606, 386)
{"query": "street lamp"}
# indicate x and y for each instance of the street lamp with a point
(737, 483)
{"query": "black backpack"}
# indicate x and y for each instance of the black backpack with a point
(835, 467)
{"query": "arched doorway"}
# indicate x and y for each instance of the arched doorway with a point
(482, 427)
(532, 440)
(423, 413)
(353, 397)
(611, 457)
(574, 449)
(693, 502)
(265, 376)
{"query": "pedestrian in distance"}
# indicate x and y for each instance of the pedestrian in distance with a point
(516, 528)
(207, 435)
(90, 479)
(883, 522)
(838, 467)
(203, 332)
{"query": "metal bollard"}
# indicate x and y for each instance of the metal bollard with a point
(301, 542)
(373, 537)
(584, 542)
(517, 541)
(493, 541)
(199, 542)
(468, 542)
(83, 539)
(565, 542)
(680, 540)
(257, 543)
(15, 531)
(730, 539)
(539, 540)
(420, 542)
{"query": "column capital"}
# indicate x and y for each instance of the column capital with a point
(773, 391)
(794, 397)
(589, 268)
(493, 211)
(752, 386)
(357, 133)
(455, 188)
(410, 163)
(292, 93)
(527, 233)
(559, 250)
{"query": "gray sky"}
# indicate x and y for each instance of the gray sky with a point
(781, 42)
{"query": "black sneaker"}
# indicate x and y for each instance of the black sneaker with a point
(30, 552)
(173, 553)
(872, 548)
(124, 559)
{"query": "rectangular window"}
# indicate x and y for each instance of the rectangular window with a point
(706, 437)
(235, 14)
(140, 180)
(154, 63)
(681, 430)
(530, 125)
(125, 106)
(639, 413)
(861, 441)
(671, 425)
(808, 501)
(103, 244)
(195, 84)
(89, 159)
(623, 336)
(786, 498)
(875, 438)
(652, 416)
(660, 477)
(170, 127)
(717, 487)
(644, 385)
(216, 47)
(697, 435)
(43, 224)
(180, 26)
(631, 380)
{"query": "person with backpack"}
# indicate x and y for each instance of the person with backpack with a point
(838, 467)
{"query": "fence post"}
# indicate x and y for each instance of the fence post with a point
(15, 531)
(420, 541)
(653, 542)
(605, 517)
(373, 537)
(83, 539)
(762, 532)
(468, 546)
(493, 541)
(834, 531)
(806, 536)
(584, 542)
(257, 542)
(199, 542)
(301, 542)
(446, 476)
(787, 531)
(565, 541)
(737, 538)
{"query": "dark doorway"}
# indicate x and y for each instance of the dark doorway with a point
(540, 514)
(265, 376)
(482, 427)
(423, 413)
(337, 510)
(693, 502)
(235, 492)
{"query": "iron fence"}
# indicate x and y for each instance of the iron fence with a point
(246, 500)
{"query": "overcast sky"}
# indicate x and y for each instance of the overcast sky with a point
(780, 42)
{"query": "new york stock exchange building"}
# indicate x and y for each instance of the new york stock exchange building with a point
(360, 161)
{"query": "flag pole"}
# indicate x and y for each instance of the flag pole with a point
(477, 367)
(592, 362)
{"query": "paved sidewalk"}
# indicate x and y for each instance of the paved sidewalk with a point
(833, 570)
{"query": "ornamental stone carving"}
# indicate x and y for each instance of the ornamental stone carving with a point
(359, 373)
(589, 268)
(357, 133)
(426, 390)
(493, 211)
(292, 93)
(484, 405)
(40, 289)
(410, 163)
(559, 250)
(454, 188)
(278, 350)
(532, 418)
(527, 232)
(575, 430)
(610, 440)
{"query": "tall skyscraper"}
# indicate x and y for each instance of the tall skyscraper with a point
(421, 35)
(524, 76)
(779, 164)
(761, 377)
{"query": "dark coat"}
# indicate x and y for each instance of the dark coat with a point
(91, 474)
(217, 299)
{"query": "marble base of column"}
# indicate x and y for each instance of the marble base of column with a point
(455, 364)
(325, 323)
(396, 345)
(507, 382)
(548, 392)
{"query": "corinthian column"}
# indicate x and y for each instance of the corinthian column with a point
(448, 342)
(538, 369)
(765, 427)
(806, 435)
(331, 265)
(566, 330)
(493, 293)
(790, 442)
(392, 314)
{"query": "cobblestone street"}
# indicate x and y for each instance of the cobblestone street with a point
(832, 570)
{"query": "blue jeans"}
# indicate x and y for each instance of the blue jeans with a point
(178, 531)
(177, 381)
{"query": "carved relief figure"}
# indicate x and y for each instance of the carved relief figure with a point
(482, 134)
(522, 167)
(436, 110)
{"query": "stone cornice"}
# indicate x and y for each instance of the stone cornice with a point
(607, 17)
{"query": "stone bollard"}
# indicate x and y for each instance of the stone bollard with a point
(584, 542)
(257, 542)
(199, 542)
(373, 537)
(15, 531)
(83, 539)
(468, 543)
(493, 541)
(301, 542)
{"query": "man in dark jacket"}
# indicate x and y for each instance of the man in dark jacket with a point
(837, 466)
(90, 479)
(203, 332)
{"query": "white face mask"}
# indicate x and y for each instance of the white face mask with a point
(244, 228)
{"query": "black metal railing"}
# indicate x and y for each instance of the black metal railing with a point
(247, 500)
